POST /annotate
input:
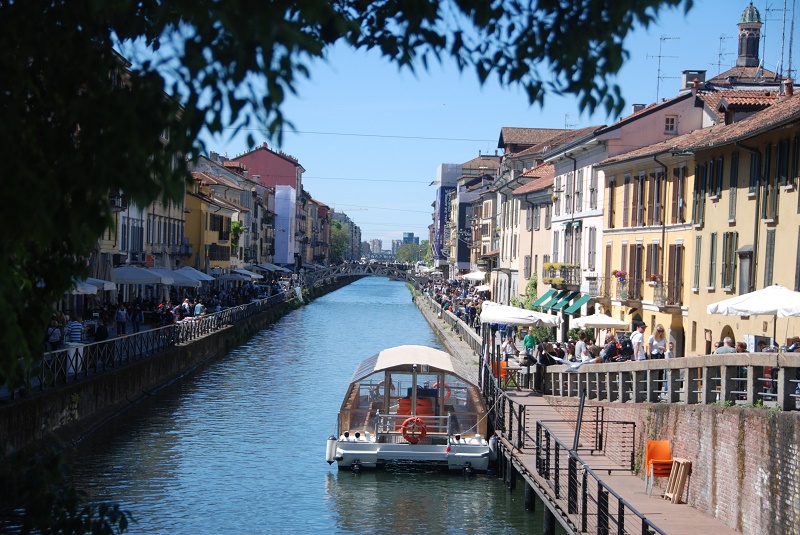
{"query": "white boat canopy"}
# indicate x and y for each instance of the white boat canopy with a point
(406, 356)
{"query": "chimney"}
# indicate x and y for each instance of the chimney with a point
(688, 77)
(788, 88)
(637, 107)
(695, 86)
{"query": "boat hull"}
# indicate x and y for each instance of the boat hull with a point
(473, 454)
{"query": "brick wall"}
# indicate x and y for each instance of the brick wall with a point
(745, 466)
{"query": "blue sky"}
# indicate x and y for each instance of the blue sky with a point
(370, 137)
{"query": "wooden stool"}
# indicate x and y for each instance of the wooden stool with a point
(681, 468)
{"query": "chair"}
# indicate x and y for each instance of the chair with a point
(657, 462)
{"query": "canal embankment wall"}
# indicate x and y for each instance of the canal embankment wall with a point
(745, 461)
(65, 414)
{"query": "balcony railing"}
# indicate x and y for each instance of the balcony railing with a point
(562, 276)
(600, 286)
(629, 289)
(668, 293)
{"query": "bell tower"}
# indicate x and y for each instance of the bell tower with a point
(749, 37)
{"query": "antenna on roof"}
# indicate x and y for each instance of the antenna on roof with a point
(659, 56)
(791, 44)
(721, 54)
(567, 126)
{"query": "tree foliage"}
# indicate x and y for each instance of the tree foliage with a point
(410, 252)
(340, 239)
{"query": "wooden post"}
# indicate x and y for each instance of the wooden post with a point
(530, 497)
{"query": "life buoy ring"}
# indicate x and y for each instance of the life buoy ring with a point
(413, 430)
(446, 389)
(379, 388)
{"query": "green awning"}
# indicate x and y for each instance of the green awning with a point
(555, 299)
(577, 304)
(547, 295)
(565, 300)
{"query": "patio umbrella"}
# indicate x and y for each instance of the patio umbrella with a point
(483, 288)
(599, 321)
(775, 301)
(178, 279)
(83, 288)
(492, 312)
(101, 284)
(475, 276)
(195, 274)
(136, 275)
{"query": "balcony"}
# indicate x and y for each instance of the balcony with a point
(561, 276)
(224, 235)
(600, 287)
(667, 294)
(117, 202)
(629, 289)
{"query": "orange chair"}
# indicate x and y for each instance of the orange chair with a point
(503, 373)
(657, 462)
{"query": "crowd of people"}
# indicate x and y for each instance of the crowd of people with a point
(131, 317)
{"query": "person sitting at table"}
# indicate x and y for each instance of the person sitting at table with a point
(509, 348)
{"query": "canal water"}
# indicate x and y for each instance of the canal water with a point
(239, 446)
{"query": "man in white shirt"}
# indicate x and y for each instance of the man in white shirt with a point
(637, 341)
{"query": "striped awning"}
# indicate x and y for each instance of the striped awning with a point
(547, 295)
(565, 300)
(576, 306)
(555, 299)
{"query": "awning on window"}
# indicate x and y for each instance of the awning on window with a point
(555, 299)
(547, 295)
(565, 300)
(574, 307)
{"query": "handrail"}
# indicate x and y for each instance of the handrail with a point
(588, 496)
(78, 361)
(752, 379)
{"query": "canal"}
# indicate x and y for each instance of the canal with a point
(238, 447)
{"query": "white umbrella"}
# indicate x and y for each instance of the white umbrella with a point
(83, 288)
(475, 276)
(195, 274)
(483, 288)
(248, 273)
(599, 321)
(775, 301)
(232, 277)
(492, 312)
(135, 275)
(178, 279)
(101, 284)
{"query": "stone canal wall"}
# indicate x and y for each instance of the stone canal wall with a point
(67, 413)
(745, 463)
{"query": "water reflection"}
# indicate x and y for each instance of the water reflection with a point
(238, 447)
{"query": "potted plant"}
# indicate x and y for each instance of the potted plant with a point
(558, 266)
(547, 266)
(546, 280)
(557, 280)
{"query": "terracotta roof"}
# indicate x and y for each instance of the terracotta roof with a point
(510, 135)
(744, 75)
(543, 177)
(485, 161)
(781, 112)
(561, 138)
(234, 165)
(739, 98)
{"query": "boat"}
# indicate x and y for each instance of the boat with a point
(412, 405)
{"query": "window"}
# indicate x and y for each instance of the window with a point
(770, 258)
(718, 176)
(579, 191)
(729, 244)
(782, 162)
(671, 124)
(526, 267)
(557, 196)
(712, 267)
(578, 234)
(592, 249)
(123, 244)
(734, 180)
(697, 251)
(652, 260)
(755, 169)
(638, 200)
(537, 214)
(623, 265)
(555, 246)
(593, 191)
(548, 216)
(612, 189)
(698, 212)
(769, 204)
(568, 238)
(529, 218)
(658, 187)
(626, 200)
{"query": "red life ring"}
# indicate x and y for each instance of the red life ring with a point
(446, 389)
(378, 388)
(413, 430)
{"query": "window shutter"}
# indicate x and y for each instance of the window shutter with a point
(636, 218)
(676, 176)
(626, 200)
(651, 197)
(612, 188)
(607, 274)
(648, 266)
(770, 258)
(624, 257)
(725, 245)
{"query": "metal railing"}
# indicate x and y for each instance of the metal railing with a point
(591, 503)
(78, 361)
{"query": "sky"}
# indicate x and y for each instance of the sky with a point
(370, 136)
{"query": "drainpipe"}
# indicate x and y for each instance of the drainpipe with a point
(572, 202)
(751, 283)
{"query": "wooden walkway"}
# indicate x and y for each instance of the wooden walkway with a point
(668, 517)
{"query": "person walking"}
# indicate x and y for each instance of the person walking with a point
(121, 318)
(137, 318)
(657, 343)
